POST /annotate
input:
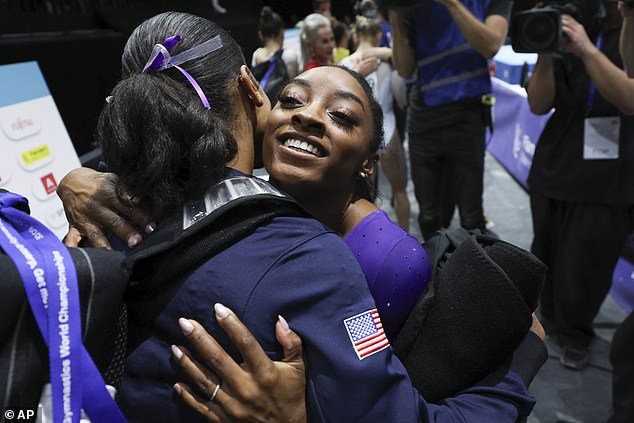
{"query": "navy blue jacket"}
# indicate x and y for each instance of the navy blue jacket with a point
(297, 268)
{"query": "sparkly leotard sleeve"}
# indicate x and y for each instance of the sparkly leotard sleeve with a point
(395, 264)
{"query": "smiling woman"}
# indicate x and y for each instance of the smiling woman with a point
(320, 146)
(330, 114)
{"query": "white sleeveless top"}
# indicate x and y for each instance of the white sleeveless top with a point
(381, 83)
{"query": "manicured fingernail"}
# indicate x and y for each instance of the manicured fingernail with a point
(185, 325)
(221, 311)
(134, 240)
(284, 323)
(177, 352)
(177, 388)
(150, 227)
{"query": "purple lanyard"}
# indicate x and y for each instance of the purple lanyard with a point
(269, 71)
(50, 284)
(592, 89)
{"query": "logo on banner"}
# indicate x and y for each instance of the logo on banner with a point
(366, 333)
(35, 158)
(18, 127)
(49, 183)
(523, 147)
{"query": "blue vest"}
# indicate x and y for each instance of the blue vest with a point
(449, 70)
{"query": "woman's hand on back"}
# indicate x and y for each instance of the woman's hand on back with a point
(92, 205)
(258, 390)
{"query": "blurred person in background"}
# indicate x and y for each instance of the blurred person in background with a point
(317, 41)
(322, 7)
(448, 42)
(368, 36)
(582, 195)
(342, 40)
(622, 348)
(273, 65)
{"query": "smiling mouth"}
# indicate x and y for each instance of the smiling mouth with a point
(303, 146)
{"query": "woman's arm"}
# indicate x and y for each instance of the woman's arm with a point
(264, 390)
(382, 53)
(92, 205)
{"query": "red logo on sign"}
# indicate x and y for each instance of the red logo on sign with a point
(21, 124)
(50, 185)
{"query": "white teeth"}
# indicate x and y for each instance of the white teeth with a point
(302, 145)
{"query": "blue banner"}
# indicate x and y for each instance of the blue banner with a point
(623, 278)
(516, 130)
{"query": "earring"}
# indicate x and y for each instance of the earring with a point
(363, 174)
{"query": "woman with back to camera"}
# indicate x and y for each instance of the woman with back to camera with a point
(382, 81)
(272, 54)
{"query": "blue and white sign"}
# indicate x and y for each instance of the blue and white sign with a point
(516, 130)
(36, 149)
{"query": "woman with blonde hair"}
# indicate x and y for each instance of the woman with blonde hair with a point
(317, 40)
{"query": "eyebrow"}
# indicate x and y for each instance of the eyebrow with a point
(338, 93)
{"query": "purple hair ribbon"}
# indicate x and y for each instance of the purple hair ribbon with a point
(160, 59)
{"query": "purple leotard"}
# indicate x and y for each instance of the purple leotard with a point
(395, 265)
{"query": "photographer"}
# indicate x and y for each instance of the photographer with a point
(622, 348)
(448, 42)
(582, 195)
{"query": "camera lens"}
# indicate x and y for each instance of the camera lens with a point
(539, 31)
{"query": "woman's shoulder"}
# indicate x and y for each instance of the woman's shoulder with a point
(289, 55)
(377, 226)
(351, 60)
(260, 55)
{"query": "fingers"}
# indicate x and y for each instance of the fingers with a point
(73, 237)
(91, 204)
(289, 340)
(254, 356)
(129, 207)
(95, 235)
(201, 378)
(212, 412)
(212, 354)
(119, 226)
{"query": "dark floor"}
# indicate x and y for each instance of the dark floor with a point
(562, 395)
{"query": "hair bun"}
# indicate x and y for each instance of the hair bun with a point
(266, 13)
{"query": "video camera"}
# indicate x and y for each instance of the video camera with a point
(538, 30)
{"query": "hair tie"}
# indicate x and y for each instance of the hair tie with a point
(160, 59)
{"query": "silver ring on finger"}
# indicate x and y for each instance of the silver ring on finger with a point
(213, 395)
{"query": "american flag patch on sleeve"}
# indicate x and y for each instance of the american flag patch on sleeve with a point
(366, 333)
